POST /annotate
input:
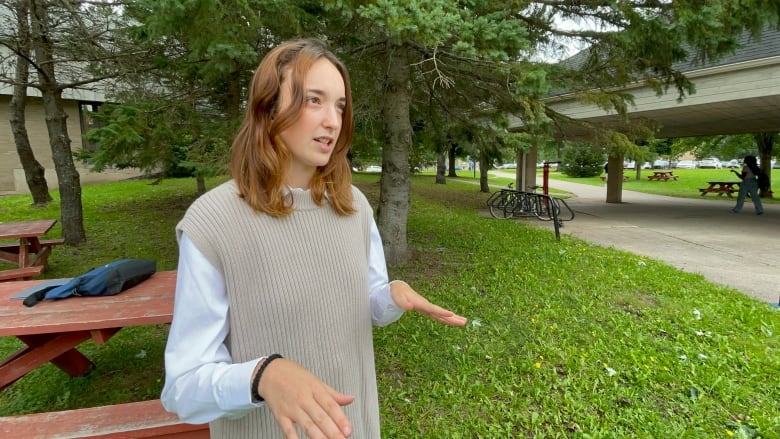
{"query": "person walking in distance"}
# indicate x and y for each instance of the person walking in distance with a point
(749, 185)
(282, 273)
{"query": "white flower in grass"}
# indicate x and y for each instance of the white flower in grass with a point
(476, 323)
(561, 251)
(697, 314)
(703, 357)
(641, 263)
(683, 357)
(610, 371)
(457, 348)
(141, 354)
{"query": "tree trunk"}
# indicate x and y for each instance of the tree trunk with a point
(530, 167)
(615, 179)
(441, 168)
(201, 183)
(395, 184)
(34, 172)
(234, 97)
(483, 173)
(452, 172)
(71, 213)
(765, 142)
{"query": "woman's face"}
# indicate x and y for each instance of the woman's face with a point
(313, 136)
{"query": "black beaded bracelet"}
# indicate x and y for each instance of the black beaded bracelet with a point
(256, 380)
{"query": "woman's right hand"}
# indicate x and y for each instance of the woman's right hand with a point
(296, 396)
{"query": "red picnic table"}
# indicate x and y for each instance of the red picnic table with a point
(52, 329)
(29, 252)
(721, 187)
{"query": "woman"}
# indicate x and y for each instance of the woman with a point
(281, 271)
(749, 185)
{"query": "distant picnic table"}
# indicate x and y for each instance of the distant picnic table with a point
(720, 188)
(28, 251)
(664, 175)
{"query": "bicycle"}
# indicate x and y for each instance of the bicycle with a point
(509, 203)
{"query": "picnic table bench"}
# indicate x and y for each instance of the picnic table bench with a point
(720, 188)
(145, 419)
(662, 176)
(20, 273)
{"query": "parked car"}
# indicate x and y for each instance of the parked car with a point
(732, 164)
(373, 168)
(709, 162)
(647, 165)
(685, 164)
(505, 166)
(629, 165)
(775, 164)
(660, 163)
(553, 165)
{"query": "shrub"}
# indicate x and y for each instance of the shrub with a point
(582, 160)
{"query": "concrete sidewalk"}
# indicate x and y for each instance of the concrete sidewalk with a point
(698, 236)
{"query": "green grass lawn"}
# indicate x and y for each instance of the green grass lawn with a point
(565, 339)
(686, 186)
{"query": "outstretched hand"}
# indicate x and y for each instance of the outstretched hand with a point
(296, 396)
(406, 298)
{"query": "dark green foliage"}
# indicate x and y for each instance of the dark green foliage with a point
(582, 160)
(154, 137)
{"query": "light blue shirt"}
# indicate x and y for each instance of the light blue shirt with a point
(201, 381)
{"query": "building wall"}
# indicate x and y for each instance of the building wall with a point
(12, 179)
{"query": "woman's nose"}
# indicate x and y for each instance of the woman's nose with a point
(332, 117)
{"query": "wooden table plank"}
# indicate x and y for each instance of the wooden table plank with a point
(25, 229)
(59, 350)
(150, 302)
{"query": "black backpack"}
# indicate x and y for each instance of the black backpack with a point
(106, 280)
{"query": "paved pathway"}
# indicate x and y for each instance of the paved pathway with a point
(698, 236)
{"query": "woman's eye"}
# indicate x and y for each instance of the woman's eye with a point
(313, 100)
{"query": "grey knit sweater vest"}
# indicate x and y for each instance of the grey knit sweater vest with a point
(297, 286)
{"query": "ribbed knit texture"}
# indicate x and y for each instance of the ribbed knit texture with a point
(297, 286)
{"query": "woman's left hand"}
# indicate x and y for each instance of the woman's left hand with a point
(406, 298)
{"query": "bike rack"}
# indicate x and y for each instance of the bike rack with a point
(510, 203)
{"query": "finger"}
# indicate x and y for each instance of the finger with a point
(288, 428)
(433, 311)
(340, 398)
(326, 418)
(444, 316)
(455, 320)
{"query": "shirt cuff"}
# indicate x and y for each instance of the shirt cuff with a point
(385, 309)
(236, 389)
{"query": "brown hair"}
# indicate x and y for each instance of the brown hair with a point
(260, 160)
